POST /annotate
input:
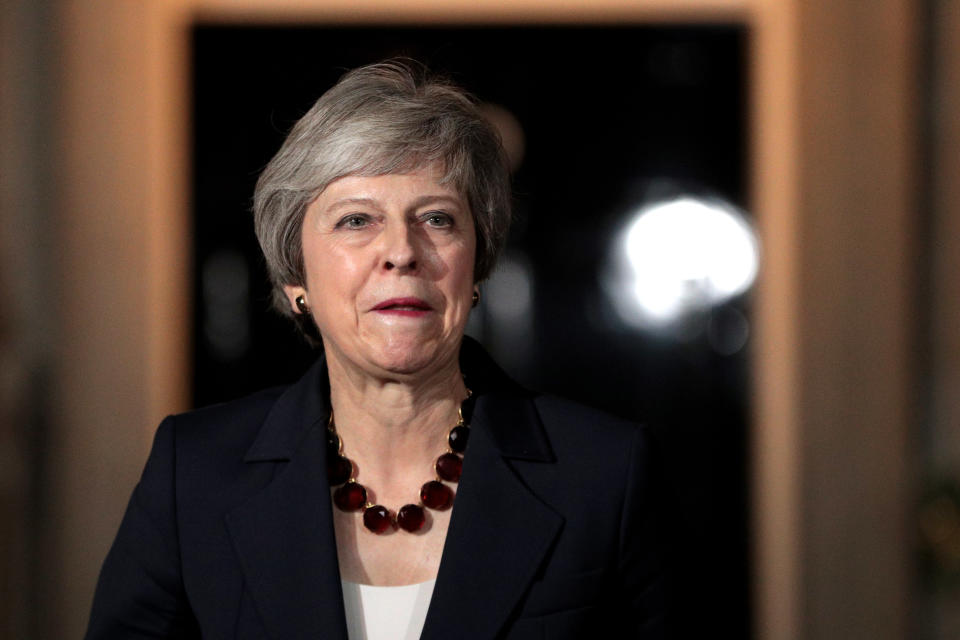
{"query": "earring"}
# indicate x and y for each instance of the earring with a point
(476, 297)
(302, 304)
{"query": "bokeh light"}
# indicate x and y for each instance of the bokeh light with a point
(680, 256)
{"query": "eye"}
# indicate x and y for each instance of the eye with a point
(438, 220)
(353, 221)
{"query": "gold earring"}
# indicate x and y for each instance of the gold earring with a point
(476, 297)
(302, 304)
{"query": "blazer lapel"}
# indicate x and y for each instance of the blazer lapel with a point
(500, 532)
(284, 534)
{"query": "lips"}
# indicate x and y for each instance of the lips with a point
(403, 304)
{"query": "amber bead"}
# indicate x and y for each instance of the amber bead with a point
(449, 466)
(338, 470)
(377, 518)
(350, 496)
(411, 517)
(458, 438)
(436, 495)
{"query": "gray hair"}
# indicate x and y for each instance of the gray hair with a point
(383, 118)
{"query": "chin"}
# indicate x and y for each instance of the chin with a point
(412, 358)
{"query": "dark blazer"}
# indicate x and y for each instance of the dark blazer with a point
(229, 532)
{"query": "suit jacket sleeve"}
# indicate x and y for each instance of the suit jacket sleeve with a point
(140, 592)
(641, 554)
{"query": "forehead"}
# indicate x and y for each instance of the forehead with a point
(421, 184)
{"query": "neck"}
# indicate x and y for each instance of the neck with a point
(391, 425)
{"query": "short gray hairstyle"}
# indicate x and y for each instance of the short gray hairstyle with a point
(389, 117)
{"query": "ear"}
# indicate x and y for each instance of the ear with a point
(292, 292)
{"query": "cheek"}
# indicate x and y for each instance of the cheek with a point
(460, 268)
(329, 269)
(465, 260)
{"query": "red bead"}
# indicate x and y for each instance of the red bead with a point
(350, 496)
(338, 470)
(411, 517)
(458, 438)
(436, 495)
(377, 518)
(449, 467)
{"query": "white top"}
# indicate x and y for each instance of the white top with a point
(386, 613)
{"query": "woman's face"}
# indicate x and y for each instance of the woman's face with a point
(389, 271)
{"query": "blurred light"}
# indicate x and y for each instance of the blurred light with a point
(509, 292)
(505, 318)
(728, 331)
(226, 292)
(680, 256)
(511, 132)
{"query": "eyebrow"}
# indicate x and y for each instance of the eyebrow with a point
(429, 199)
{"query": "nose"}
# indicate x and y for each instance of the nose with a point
(400, 250)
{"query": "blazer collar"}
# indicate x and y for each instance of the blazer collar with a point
(499, 535)
(302, 406)
(503, 409)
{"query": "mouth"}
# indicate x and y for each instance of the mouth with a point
(404, 306)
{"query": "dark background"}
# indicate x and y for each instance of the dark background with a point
(613, 117)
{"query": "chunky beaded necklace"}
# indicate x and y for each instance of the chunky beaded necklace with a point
(350, 495)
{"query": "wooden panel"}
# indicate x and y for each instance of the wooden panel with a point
(120, 234)
(487, 11)
(25, 314)
(855, 222)
(945, 237)
(776, 433)
(942, 388)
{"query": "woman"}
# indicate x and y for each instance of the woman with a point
(404, 487)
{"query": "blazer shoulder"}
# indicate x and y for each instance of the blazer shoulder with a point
(225, 430)
(582, 434)
(561, 414)
(257, 404)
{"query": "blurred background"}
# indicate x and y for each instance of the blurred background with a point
(736, 220)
